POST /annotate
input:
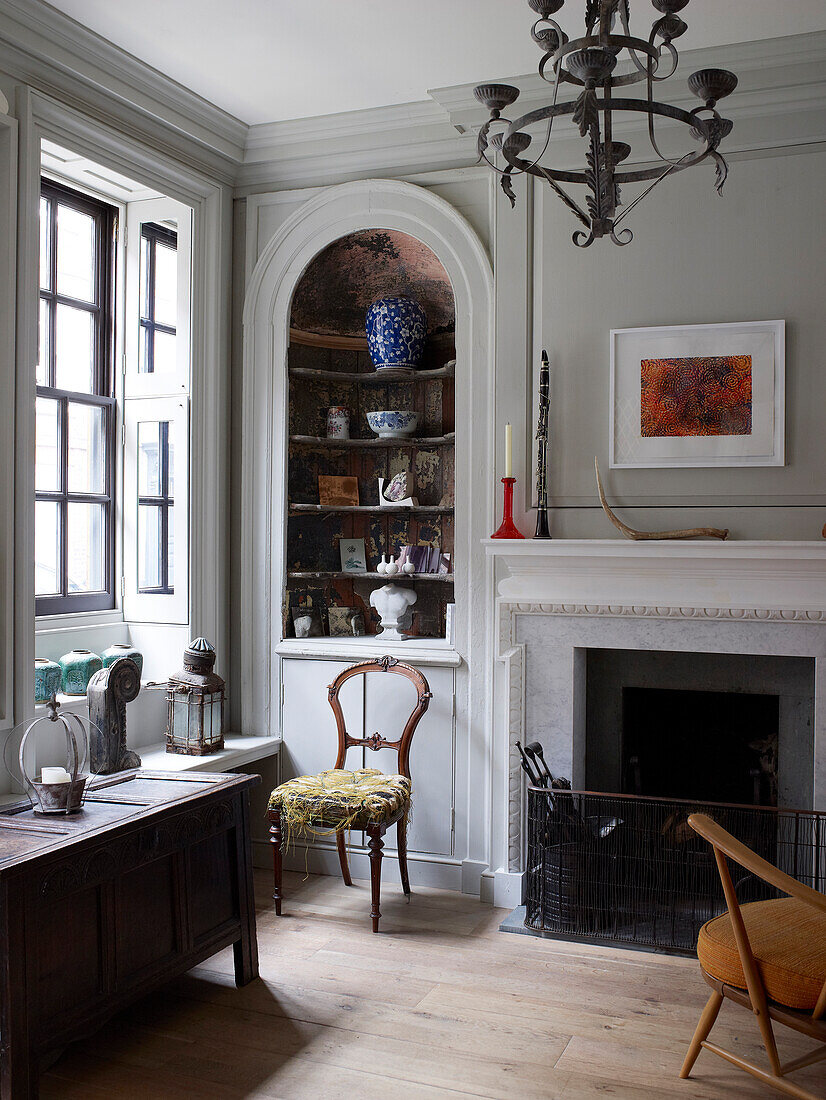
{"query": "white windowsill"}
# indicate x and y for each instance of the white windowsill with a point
(238, 750)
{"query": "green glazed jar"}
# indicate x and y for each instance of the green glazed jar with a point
(78, 668)
(122, 649)
(47, 678)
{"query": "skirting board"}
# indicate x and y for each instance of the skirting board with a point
(442, 874)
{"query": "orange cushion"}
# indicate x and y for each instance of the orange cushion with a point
(788, 941)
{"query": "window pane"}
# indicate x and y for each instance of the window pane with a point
(149, 549)
(170, 549)
(42, 373)
(170, 488)
(45, 244)
(75, 253)
(74, 337)
(164, 353)
(46, 547)
(87, 449)
(144, 366)
(46, 446)
(86, 536)
(144, 294)
(149, 459)
(166, 284)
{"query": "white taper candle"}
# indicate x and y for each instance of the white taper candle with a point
(508, 451)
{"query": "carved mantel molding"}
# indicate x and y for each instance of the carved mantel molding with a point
(748, 582)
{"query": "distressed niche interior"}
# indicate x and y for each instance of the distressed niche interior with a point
(329, 365)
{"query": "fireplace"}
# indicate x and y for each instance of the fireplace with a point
(721, 746)
(715, 727)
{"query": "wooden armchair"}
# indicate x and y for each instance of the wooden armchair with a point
(339, 800)
(768, 956)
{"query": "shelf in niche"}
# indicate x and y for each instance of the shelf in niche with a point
(332, 341)
(374, 378)
(370, 444)
(443, 578)
(432, 509)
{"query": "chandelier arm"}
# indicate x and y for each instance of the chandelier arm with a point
(627, 31)
(651, 136)
(572, 205)
(513, 127)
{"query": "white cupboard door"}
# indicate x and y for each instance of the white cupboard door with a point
(389, 699)
(308, 728)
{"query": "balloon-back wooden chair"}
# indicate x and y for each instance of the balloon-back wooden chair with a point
(768, 957)
(339, 800)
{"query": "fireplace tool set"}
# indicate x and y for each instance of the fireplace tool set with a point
(536, 769)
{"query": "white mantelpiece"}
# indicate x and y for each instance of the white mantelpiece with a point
(710, 576)
(558, 598)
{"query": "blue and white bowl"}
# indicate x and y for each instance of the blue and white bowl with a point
(393, 423)
(396, 333)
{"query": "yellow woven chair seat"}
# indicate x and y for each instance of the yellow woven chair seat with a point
(788, 940)
(340, 799)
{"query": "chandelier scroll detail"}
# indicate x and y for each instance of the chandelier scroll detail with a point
(602, 65)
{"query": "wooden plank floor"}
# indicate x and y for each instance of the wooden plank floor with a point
(440, 1004)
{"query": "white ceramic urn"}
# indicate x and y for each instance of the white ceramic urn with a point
(393, 604)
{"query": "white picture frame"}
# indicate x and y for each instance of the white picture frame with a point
(760, 348)
(353, 557)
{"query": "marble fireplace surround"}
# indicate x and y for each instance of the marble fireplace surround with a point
(559, 598)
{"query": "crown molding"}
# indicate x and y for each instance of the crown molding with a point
(56, 55)
(334, 148)
(779, 108)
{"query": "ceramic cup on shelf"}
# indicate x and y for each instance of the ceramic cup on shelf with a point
(338, 422)
(47, 676)
(122, 649)
(78, 668)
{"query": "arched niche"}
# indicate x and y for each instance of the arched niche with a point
(323, 219)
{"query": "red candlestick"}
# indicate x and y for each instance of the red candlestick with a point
(507, 528)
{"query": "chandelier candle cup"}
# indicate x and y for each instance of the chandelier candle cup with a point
(592, 82)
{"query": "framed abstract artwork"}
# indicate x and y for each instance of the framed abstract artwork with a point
(698, 395)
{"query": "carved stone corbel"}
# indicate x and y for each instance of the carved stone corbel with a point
(109, 691)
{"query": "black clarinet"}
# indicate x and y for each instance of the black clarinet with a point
(542, 529)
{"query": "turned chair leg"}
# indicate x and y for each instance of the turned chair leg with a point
(275, 833)
(375, 844)
(401, 844)
(342, 858)
(701, 1034)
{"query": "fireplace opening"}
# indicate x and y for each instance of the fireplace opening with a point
(717, 727)
(718, 746)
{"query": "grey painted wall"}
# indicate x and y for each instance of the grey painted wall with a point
(754, 254)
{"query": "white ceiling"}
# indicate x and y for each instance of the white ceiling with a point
(267, 60)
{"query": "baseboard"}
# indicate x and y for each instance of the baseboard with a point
(472, 871)
(439, 872)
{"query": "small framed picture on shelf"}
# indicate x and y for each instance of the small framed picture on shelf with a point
(338, 492)
(353, 557)
(345, 622)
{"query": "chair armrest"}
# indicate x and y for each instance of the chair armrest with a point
(717, 836)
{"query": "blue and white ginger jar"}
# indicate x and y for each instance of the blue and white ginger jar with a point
(396, 332)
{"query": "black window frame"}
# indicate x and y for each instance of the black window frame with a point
(163, 501)
(154, 234)
(102, 397)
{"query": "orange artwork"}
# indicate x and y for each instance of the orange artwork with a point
(696, 397)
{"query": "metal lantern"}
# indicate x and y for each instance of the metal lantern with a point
(195, 704)
(58, 790)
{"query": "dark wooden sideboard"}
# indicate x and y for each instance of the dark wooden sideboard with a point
(99, 908)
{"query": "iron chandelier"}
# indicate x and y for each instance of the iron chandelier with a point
(590, 64)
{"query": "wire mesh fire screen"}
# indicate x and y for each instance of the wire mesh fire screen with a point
(626, 869)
